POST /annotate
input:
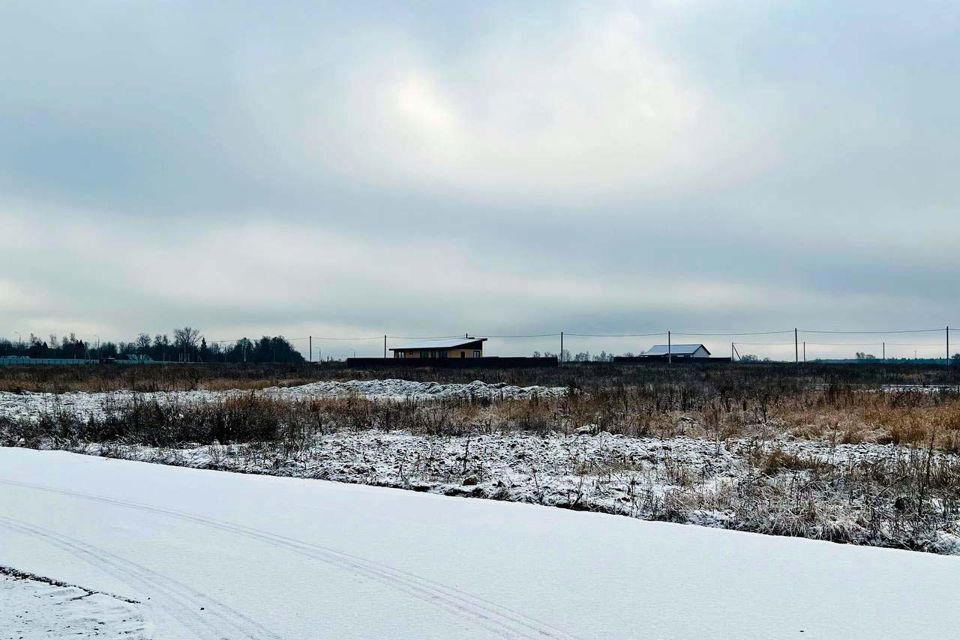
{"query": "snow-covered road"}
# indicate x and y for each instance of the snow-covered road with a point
(220, 555)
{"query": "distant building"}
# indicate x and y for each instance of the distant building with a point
(455, 348)
(683, 351)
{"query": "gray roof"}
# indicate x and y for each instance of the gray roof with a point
(677, 349)
(449, 343)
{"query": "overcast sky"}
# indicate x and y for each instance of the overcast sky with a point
(435, 168)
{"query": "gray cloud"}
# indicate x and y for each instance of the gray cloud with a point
(591, 167)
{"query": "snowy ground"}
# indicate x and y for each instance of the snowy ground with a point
(769, 483)
(29, 405)
(32, 608)
(681, 479)
(221, 555)
(921, 388)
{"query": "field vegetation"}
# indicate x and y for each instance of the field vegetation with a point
(874, 403)
(866, 454)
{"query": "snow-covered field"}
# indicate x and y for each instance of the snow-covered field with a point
(29, 406)
(719, 484)
(32, 608)
(222, 555)
(545, 469)
(768, 482)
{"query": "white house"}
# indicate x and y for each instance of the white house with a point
(676, 351)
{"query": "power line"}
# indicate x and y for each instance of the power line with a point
(294, 339)
(418, 337)
(846, 344)
(380, 337)
(871, 344)
(747, 333)
(483, 335)
(615, 335)
(659, 334)
(893, 331)
(911, 344)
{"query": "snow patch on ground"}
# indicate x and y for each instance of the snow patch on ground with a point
(393, 389)
(33, 608)
(920, 388)
(29, 405)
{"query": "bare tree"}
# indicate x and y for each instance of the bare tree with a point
(186, 341)
(143, 344)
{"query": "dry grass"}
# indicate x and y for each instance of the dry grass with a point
(841, 404)
(150, 378)
(882, 418)
(885, 418)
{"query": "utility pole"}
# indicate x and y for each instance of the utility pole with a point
(948, 345)
(796, 346)
(884, 351)
(384, 346)
(804, 350)
(731, 352)
(561, 347)
(669, 348)
(311, 349)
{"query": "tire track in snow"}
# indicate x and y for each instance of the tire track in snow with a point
(490, 615)
(171, 596)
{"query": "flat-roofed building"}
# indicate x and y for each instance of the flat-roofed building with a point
(454, 348)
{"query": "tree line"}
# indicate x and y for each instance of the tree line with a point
(186, 345)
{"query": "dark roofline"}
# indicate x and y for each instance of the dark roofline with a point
(441, 347)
